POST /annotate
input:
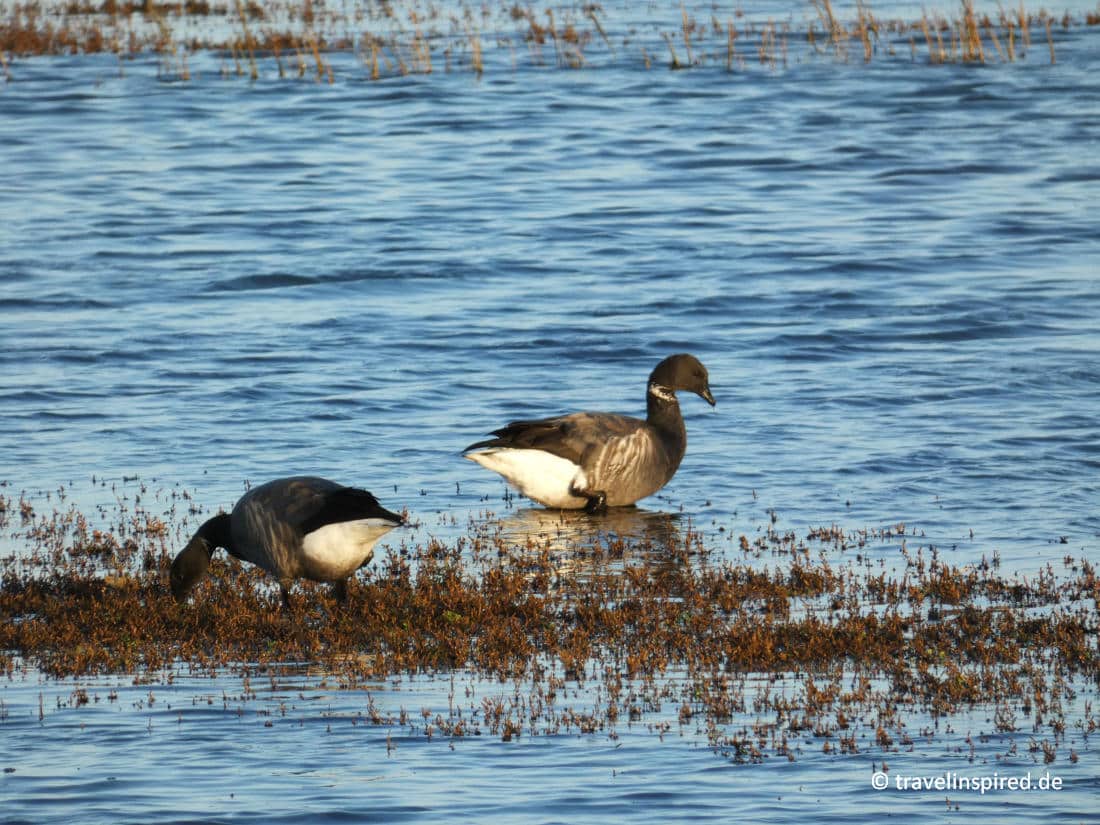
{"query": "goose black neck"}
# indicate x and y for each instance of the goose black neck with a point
(663, 413)
(216, 533)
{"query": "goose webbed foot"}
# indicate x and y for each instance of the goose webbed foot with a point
(597, 502)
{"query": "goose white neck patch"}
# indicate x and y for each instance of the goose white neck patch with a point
(661, 392)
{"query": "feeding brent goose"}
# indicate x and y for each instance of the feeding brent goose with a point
(294, 528)
(597, 460)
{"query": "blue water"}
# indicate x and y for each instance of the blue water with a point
(890, 270)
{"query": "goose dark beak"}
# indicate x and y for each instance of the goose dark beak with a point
(707, 396)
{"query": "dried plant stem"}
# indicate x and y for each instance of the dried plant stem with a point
(828, 19)
(599, 28)
(374, 72)
(422, 52)
(766, 49)
(928, 38)
(475, 54)
(942, 50)
(248, 41)
(996, 41)
(315, 48)
(970, 38)
(686, 25)
(675, 62)
(554, 34)
(278, 59)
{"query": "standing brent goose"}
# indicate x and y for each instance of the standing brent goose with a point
(294, 528)
(599, 460)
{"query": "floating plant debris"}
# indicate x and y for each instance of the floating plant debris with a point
(303, 38)
(836, 637)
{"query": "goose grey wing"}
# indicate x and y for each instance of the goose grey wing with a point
(289, 501)
(267, 521)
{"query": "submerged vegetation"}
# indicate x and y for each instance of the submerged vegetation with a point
(304, 38)
(826, 638)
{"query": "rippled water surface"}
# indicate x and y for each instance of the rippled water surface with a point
(891, 271)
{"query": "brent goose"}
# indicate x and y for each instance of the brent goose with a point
(599, 460)
(294, 528)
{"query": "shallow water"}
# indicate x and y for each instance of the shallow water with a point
(890, 271)
(293, 750)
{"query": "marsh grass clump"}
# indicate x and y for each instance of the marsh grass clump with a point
(770, 641)
(398, 39)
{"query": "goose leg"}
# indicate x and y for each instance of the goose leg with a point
(340, 590)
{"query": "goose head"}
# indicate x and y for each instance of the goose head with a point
(681, 372)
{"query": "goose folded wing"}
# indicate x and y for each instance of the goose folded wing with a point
(571, 437)
(346, 504)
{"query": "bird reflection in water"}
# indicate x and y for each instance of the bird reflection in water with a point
(576, 540)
